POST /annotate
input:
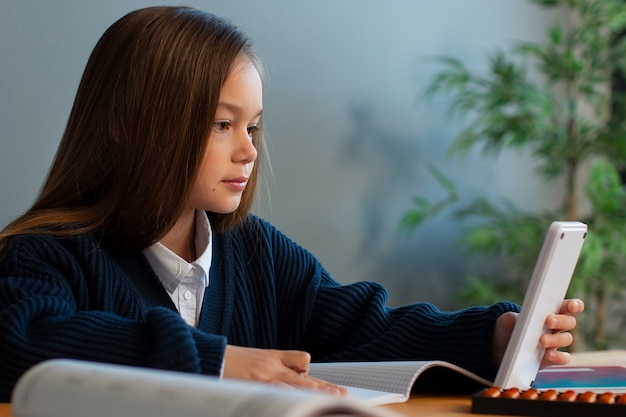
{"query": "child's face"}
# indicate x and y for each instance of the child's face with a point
(230, 154)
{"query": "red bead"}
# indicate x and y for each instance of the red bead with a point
(491, 392)
(530, 394)
(511, 393)
(587, 397)
(568, 395)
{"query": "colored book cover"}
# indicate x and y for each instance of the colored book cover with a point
(582, 378)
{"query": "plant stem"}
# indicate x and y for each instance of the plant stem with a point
(599, 332)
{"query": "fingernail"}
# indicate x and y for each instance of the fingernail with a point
(333, 391)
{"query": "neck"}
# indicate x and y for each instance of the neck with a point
(181, 239)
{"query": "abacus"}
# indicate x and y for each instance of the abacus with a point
(548, 403)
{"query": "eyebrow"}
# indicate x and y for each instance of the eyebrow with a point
(235, 108)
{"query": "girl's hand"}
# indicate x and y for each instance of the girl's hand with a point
(560, 324)
(288, 368)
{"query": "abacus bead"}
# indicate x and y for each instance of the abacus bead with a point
(511, 393)
(530, 394)
(568, 395)
(491, 392)
(607, 398)
(587, 397)
(549, 395)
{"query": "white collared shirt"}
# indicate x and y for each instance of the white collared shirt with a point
(185, 282)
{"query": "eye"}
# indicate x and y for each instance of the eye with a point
(221, 126)
(252, 130)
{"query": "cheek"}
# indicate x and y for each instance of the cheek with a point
(206, 181)
(208, 175)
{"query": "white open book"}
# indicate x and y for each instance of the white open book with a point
(71, 388)
(378, 383)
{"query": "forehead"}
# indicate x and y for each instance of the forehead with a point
(243, 69)
(243, 86)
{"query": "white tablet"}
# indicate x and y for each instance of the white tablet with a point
(546, 291)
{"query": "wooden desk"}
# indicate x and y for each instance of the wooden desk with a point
(458, 406)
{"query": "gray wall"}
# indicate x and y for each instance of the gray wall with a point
(348, 143)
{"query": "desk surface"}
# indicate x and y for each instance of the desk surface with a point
(457, 406)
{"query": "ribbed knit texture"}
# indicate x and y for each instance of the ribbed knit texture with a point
(73, 298)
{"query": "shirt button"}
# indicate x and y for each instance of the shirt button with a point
(187, 295)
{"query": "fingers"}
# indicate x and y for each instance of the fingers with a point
(573, 306)
(296, 375)
(561, 324)
(565, 320)
(552, 342)
(556, 340)
(288, 368)
(303, 381)
(555, 357)
(297, 360)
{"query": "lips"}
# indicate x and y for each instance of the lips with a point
(237, 184)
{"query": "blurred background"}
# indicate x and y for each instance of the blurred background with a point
(350, 136)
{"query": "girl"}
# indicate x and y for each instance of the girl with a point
(141, 249)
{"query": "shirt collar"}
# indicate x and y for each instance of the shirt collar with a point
(171, 268)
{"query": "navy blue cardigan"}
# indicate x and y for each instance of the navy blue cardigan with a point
(76, 298)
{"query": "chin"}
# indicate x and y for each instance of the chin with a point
(225, 210)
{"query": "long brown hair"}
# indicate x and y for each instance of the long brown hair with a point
(138, 128)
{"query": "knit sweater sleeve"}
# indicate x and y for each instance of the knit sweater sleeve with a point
(352, 322)
(57, 301)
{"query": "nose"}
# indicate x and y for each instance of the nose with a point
(246, 151)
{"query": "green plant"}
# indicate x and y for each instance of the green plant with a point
(572, 122)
